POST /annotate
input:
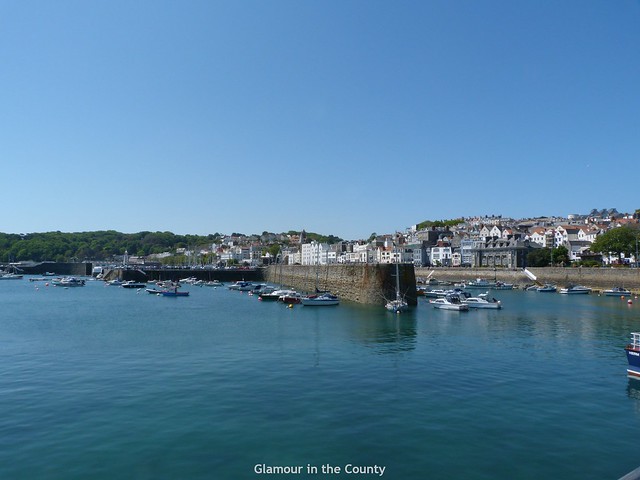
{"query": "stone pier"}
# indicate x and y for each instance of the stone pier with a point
(363, 283)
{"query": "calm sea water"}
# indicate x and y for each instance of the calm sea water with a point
(104, 382)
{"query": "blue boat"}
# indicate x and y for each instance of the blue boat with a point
(633, 356)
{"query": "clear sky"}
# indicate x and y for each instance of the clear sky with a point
(342, 117)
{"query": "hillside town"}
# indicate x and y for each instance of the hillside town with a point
(488, 241)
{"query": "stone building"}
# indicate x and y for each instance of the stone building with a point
(502, 252)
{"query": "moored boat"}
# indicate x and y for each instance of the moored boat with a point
(547, 288)
(11, 273)
(290, 296)
(272, 296)
(68, 282)
(399, 304)
(241, 286)
(575, 290)
(617, 292)
(133, 284)
(633, 356)
(482, 302)
(479, 283)
(174, 293)
(435, 293)
(323, 299)
(450, 302)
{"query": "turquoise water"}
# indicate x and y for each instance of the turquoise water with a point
(104, 382)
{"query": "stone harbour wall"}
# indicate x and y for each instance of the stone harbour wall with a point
(361, 283)
(595, 278)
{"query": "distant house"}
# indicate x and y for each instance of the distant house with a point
(441, 254)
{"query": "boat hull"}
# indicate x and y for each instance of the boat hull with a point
(175, 294)
(459, 307)
(633, 358)
(612, 293)
(490, 306)
(319, 303)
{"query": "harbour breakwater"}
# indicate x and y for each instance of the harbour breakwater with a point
(175, 274)
(595, 278)
(58, 268)
(362, 283)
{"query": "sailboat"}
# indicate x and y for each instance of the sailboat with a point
(399, 304)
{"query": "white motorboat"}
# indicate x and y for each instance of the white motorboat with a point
(68, 282)
(242, 286)
(322, 299)
(617, 292)
(548, 288)
(450, 302)
(479, 283)
(575, 290)
(482, 302)
(503, 286)
(10, 273)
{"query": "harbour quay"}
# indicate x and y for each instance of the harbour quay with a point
(596, 278)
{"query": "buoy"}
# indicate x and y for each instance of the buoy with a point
(630, 302)
(291, 305)
(622, 297)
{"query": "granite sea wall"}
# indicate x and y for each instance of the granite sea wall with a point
(362, 283)
(596, 278)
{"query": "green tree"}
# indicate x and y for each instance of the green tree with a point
(561, 256)
(618, 241)
(540, 257)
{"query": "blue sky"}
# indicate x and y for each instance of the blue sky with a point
(338, 117)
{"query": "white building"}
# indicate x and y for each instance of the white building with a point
(315, 253)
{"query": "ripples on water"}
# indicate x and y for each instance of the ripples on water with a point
(103, 382)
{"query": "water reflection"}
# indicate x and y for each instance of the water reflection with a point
(633, 390)
(388, 333)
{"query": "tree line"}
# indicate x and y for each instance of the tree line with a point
(104, 245)
(99, 245)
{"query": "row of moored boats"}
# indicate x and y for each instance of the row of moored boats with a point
(288, 296)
